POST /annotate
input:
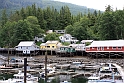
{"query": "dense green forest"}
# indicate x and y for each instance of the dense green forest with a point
(26, 23)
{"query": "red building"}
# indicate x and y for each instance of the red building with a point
(106, 48)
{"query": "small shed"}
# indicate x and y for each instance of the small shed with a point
(65, 51)
(27, 47)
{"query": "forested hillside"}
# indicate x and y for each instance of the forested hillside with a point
(12, 5)
(31, 21)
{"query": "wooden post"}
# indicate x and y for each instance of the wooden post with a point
(109, 55)
(25, 69)
(46, 67)
(8, 56)
(51, 52)
(97, 58)
(123, 60)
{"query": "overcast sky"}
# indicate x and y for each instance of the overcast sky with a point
(97, 4)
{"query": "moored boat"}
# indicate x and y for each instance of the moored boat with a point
(65, 81)
(19, 78)
(96, 79)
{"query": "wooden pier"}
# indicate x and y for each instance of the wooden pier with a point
(120, 70)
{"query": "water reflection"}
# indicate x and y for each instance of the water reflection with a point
(55, 79)
(61, 78)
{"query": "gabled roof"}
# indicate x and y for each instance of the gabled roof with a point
(42, 44)
(26, 43)
(83, 41)
(107, 43)
(75, 45)
(52, 42)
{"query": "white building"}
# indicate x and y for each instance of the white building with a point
(60, 31)
(68, 38)
(78, 47)
(27, 47)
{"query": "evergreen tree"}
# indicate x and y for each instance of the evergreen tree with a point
(4, 18)
(64, 17)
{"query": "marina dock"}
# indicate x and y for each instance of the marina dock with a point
(63, 65)
(120, 70)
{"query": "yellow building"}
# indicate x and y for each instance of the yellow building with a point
(50, 45)
(42, 46)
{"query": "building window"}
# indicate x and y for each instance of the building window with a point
(102, 48)
(52, 46)
(88, 48)
(98, 48)
(119, 48)
(61, 37)
(113, 48)
(48, 46)
(62, 49)
(92, 47)
(66, 49)
(67, 38)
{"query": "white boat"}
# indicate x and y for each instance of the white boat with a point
(50, 70)
(5, 67)
(106, 68)
(77, 65)
(65, 81)
(96, 79)
(19, 78)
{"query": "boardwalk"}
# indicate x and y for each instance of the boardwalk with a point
(120, 70)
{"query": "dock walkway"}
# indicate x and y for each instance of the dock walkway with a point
(120, 70)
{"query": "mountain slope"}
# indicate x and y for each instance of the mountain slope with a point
(17, 4)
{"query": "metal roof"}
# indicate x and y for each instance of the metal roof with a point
(106, 43)
(53, 42)
(42, 44)
(26, 43)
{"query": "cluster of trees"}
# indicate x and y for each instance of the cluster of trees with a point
(99, 26)
(25, 24)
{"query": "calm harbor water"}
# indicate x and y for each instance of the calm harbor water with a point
(61, 78)
(56, 79)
